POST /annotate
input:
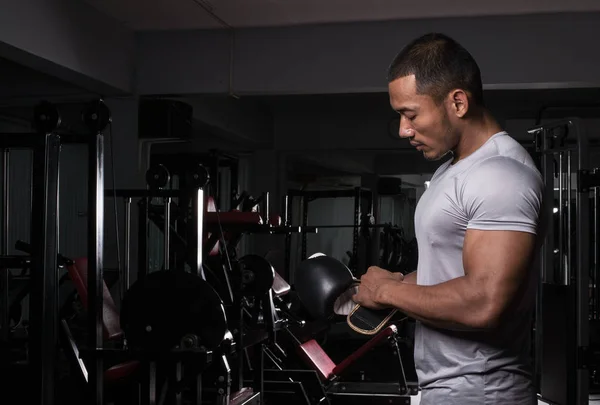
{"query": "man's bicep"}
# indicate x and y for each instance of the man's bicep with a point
(498, 263)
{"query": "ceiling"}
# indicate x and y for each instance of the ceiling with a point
(207, 14)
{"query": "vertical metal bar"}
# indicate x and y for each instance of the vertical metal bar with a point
(234, 182)
(198, 204)
(561, 234)
(596, 314)
(44, 275)
(95, 264)
(286, 207)
(178, 377)
(167, 233)
(224, 389)
(6, 204)
(569, 258)
(5, 304)
(152, 383)
(127, 249)
(356, 229)
(547, 254)
(267, 218)
(143, 238)
(304, 204)
(288, 238)
(198, 390)
(583, 269)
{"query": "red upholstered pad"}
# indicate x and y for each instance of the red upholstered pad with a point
(317, 358)
(121, 371)
(78, 272)
(376, 340)
(275, 220)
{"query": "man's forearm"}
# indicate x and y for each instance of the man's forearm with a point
(411, 278)
(450, 305)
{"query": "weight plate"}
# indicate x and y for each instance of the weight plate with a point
(46, 117)
(159, 310)
(158, 176)
(199, 176)
(257, 275)
(96, 116)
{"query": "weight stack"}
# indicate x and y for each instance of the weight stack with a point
(165, 119)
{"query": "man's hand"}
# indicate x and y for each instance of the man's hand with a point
(369, 290)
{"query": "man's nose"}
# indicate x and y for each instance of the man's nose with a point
(405, 130)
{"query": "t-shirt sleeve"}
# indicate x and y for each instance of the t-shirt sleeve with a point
(502, 194)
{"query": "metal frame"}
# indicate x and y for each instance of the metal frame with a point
(363, 202)
(563, 295)
(179, 164)
(43, 337)
(96, 265)
(144, 197)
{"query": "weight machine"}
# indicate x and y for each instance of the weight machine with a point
(389, 249)
(567, 303)
(42, 340)
(361, 254)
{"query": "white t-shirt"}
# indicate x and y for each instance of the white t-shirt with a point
(497, 187)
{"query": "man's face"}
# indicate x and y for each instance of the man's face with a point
(424, 123)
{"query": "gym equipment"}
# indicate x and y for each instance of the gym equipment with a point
(321, 280)
(362, 224)
(564, 317)
(167, 308)
(46, 117)
(96, 116)
(326, 382)
(42, 337)
(258, 275)
(157, 177)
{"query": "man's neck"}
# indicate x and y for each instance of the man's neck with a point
(479, 129)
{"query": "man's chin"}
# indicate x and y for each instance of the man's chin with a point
(432, 156)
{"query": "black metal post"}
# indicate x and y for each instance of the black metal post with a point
(583, 271)
(4, 277)
(167, 234)
(44, 274)
(127, 250)
(95, 265)
(143, 223)
(356, 230)
(596, 314)
(304, 201)
(287, 203)
(198, 234)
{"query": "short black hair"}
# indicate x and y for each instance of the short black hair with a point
(439, 64)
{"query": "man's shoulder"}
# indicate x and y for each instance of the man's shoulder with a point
(502, 156)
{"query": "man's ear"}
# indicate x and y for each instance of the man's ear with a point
(459, 102)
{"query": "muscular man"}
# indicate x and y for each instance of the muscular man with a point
(478, 230)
